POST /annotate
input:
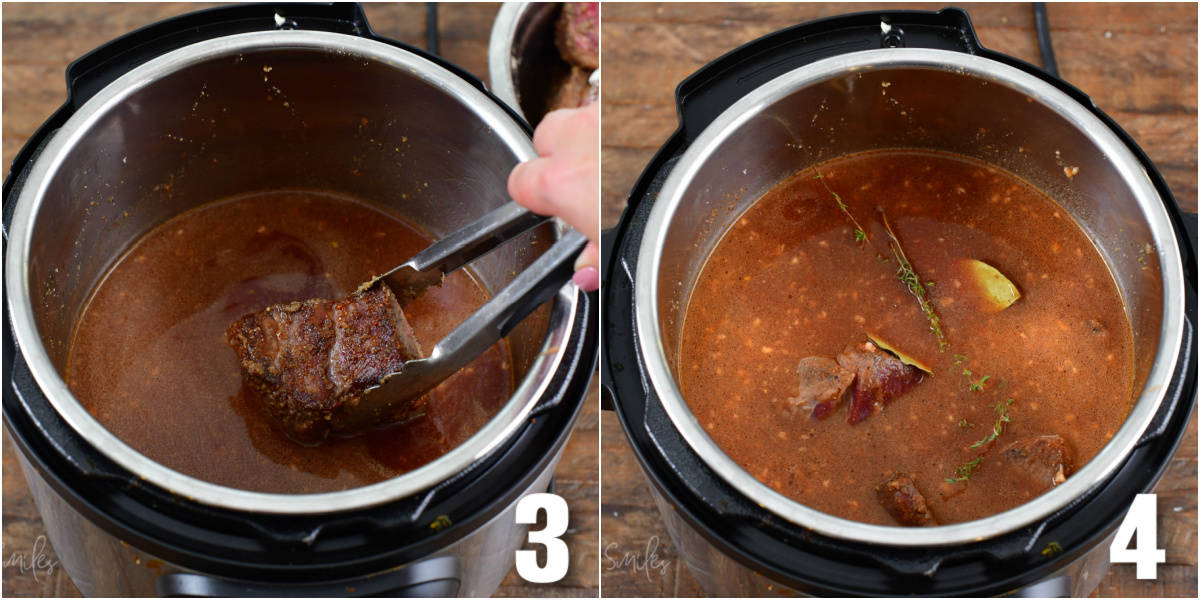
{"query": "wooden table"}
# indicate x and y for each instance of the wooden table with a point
(40, 40)
(1138, 62)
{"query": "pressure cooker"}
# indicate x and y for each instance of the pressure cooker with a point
(125, 525)
(810, 93)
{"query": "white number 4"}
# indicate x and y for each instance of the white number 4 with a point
(1142, 518)
(556, 550)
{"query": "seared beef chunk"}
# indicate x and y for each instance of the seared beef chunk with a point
(1046, 459)
(577, 34)
(900, 496)
(823, 384)
(307, 360)
(879, 377)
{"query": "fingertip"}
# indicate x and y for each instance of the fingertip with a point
(587, 278)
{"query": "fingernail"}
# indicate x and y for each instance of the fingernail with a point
(587, 278)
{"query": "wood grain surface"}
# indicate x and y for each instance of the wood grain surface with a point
(1138, 62)
(39, 40)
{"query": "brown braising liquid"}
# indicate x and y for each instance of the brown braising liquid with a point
(789, 281)
(149, 358)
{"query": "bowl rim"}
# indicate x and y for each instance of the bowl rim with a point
(656, 361)
(501, 62)
(511, 417)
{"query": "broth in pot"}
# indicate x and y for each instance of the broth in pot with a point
(149, 357)
(907, 337)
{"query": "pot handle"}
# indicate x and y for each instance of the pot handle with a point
(91, 72)
(715, 87)
(439, 577)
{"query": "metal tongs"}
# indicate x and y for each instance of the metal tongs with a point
(484, 327)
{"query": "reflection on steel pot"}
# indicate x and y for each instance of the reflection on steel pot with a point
(805, 95)
(126, 525)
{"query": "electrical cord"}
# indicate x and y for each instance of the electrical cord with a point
(431, 28)
(1042, 24)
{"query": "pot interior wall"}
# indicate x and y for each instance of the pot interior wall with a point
(537, 67)
(914, 107)
(282, 118)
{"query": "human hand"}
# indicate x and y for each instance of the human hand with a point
(564, 181)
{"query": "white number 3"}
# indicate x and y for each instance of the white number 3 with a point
(556, 550)
(1142, 518)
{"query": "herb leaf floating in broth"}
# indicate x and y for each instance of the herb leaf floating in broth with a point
(964, 471)
(972, 384)
(996, 291)
(977, 386)
(908, 276)
(904, 358)
(860, 233)
(997, 429)
(904, 271)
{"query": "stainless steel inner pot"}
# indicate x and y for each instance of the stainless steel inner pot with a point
(524, 65)
(268, 111)
(912, 98)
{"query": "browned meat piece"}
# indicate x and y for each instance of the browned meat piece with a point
(879, 377)
(307, 360)
(823, 384)
(1046, 459)
(573, 92)
(577, 34)
(901, 498)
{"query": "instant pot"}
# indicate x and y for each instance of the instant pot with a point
(892, 79)
(225, 102)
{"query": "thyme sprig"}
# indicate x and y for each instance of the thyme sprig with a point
(860, 232)
(997, 429)
(965, 470)
(908, 276)
(972, 384)
(904, 271)
(977, 386)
